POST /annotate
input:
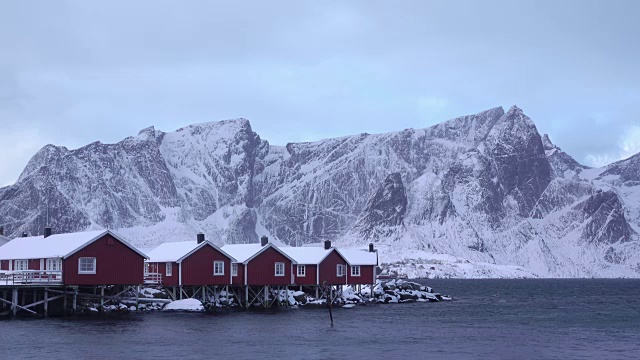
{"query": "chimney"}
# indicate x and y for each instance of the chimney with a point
(47, 232)
(1, 230)
(327, 244)
(200, 238)
(371, 249)
(264, 240)
(24, 234)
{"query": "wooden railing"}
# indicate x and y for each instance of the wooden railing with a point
(153, 278)
(28, 277)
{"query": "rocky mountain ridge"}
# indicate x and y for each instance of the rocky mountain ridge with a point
(480, 189)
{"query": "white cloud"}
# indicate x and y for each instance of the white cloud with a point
(628, 146)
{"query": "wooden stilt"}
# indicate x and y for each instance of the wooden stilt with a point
(75, 299)
(266, 295)
(64, 304)
(137, 296)
(14, 301)
(102, 298)
(180, 292)
(46, 301)
(246, 297)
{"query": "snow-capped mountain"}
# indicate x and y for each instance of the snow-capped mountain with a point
(480, 195)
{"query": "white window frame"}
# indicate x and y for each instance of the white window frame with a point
(276, 268)
(93, 263)
(302, 273)
(20, 265)
(234, 269)
(168, 269)
(218, 271)
(353, 270)
(146, 268)
(54, 265)
(340, 270)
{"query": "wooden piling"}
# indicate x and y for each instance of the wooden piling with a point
(46, 301)
(75, 299)
(14, 301)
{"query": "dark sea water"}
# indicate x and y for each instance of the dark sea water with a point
(528, 319)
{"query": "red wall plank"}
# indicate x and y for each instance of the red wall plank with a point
(197, 269)
(309, 279)
(328, 269)
(239, 280)
(261, 270)
(366, 275)
(116, 264)
(162, 269)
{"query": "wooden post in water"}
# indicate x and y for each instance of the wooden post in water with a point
(75, 299)
(246, 297)
(265, 297)
(14, 301)
(46, 301)
(137, 296)
(64, 303)
(102, 298)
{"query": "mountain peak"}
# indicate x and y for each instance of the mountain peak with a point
(547, 143)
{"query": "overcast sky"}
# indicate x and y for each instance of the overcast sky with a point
(73, 72)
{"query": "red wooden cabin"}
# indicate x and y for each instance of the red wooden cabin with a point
(318, 265)
(189, 263)
(84, 258)
(261, 264)
(361, 265)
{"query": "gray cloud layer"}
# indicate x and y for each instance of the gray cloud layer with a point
(78, 71)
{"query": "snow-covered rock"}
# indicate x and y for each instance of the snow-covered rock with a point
(484, 195)
(184, 305)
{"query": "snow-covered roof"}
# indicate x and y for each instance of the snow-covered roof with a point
(359, 256)
(306, 255)
(171, 251)
(177, 251)
(55, 246)
(244, 253)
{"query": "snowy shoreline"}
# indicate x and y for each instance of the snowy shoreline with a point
(386, 292)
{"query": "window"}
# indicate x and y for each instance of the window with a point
(168, 269)
(279, 269)
(87, 265)
(302, 270)
(54, 265)
(234, 269)
(340, 270)
(355, 270)
(146, 268)
(218, 268)
(21, 265)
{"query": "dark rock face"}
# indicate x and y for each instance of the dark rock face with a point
(606, 222)
(561, 163)
(521, 164)
(628, 170)
(386, 208)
